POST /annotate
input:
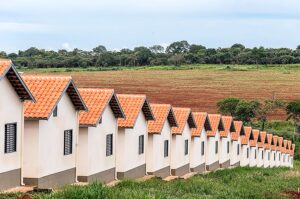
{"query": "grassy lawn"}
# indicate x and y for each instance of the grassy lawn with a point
(228, 183)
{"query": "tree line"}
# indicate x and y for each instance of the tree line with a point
(177, 53)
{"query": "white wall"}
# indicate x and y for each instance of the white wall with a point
(211, 156)
(127, 145)
(223, 155)
(266, 158)
(196, 157)
(50, 148)
(260, 159)
(178, 158)
(273, 159)
(11, 112)
(234, 157)
(244, 159)
(155, 153)
(253, 160)
(278, 158)
(92, 157)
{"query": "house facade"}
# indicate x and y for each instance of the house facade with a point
(213, 142)
(254, 148)
(16, 92)
(235, 153)
(267, 150)
(245, 143)
(292, 151)
(261, 151)
(158, 157)
(278, 152)
(51, 131)
(274, 144)
(198, 142)
(132, 137)
(225, 141)
(181, 141)
(96, 159)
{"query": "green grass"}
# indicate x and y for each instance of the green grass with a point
(285, 68)
(229, 183)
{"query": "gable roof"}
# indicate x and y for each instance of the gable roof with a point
(183, 116)
(279, 143)
(228, 126)
(289, 145)
(48, 90)
(161, 112)
(216, 124)
(292, 150)
(268, 141)
(132, 105)
(248, 135)
(253, 142)
(239, 130)
(261, 144)
(274, 142)
(97, 100)
(283, 149)
(202, 121)
(8, 70)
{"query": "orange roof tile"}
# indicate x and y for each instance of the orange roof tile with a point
(248, 133)
(228, 126)
(216, 124)
(289, 144)
(132, 105)
(279, 143)
(261, 144)
(239, 130)
(202, 121)
(97, 100)
(47, 91)
(274, 143)
(253, 142)
(8, 70)
(162, 113)
(283, 149)
(183, 116)
(292, 151)
(268, 141)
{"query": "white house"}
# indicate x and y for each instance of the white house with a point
(267, 150)
(51, 131)
(289, 147)
(245, 143)
(261, 149)
(13, 92)
(278, 152)
(158, 157)
(283, 153)
(198, 142)
(273, 151)
(235, 153)
(213, 142)
(181, 141)
(225, 141)
(96, 159)
(132, 138)
(254, 148)
(292, 155)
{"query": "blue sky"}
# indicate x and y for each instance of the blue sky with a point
(117, 24)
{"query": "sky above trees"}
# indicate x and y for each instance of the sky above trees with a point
(117, 24)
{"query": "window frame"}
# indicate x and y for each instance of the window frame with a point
(7, 145)
(141, 144)
(69, 150)
(216, 147)
(166, 148)
(109, 146)
(186, 147)
(55, 111)
(202, 148)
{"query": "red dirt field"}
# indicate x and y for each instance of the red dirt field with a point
(198, 89)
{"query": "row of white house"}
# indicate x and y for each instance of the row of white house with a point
(52, 134)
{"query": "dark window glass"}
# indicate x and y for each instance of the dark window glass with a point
(186, 147)
(238, 149)
(55, 112)
(216, 147)
(247, 152)
(202, 148)
(166, 148)
(141, 144)
(228, 147)
(109, 144)
(10, 138)
(68, 142)
(255, 154)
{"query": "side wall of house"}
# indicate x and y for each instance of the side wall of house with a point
(223, 154)
(267, 158)
(234, 156)
(196, 156)
(11, 112)
(82, 164)
(244, 158)
(211, 155)
(253, 156)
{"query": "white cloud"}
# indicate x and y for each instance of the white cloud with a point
(66, 46)
(23, 27)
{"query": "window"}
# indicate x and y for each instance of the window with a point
(141, 144)
(166, 148)
(255, 154)
(186, 147)
(238, 149)
(10, 138)
(202, 148)
(217, 147)
(268, 155)
(274, 156)
(68, 142)
(100, 121)
(279, 157)
(262, 154)
(55, 112)
(247, 152)
(283, 158)
(109, 144)
(228, 147)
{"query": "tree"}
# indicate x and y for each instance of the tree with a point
(194, 49)
(228, 106)
(99, 49)
(268, 107)
(177, 59)
(178, 47)
(293, 112)
(157, 49)
(246, 110)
